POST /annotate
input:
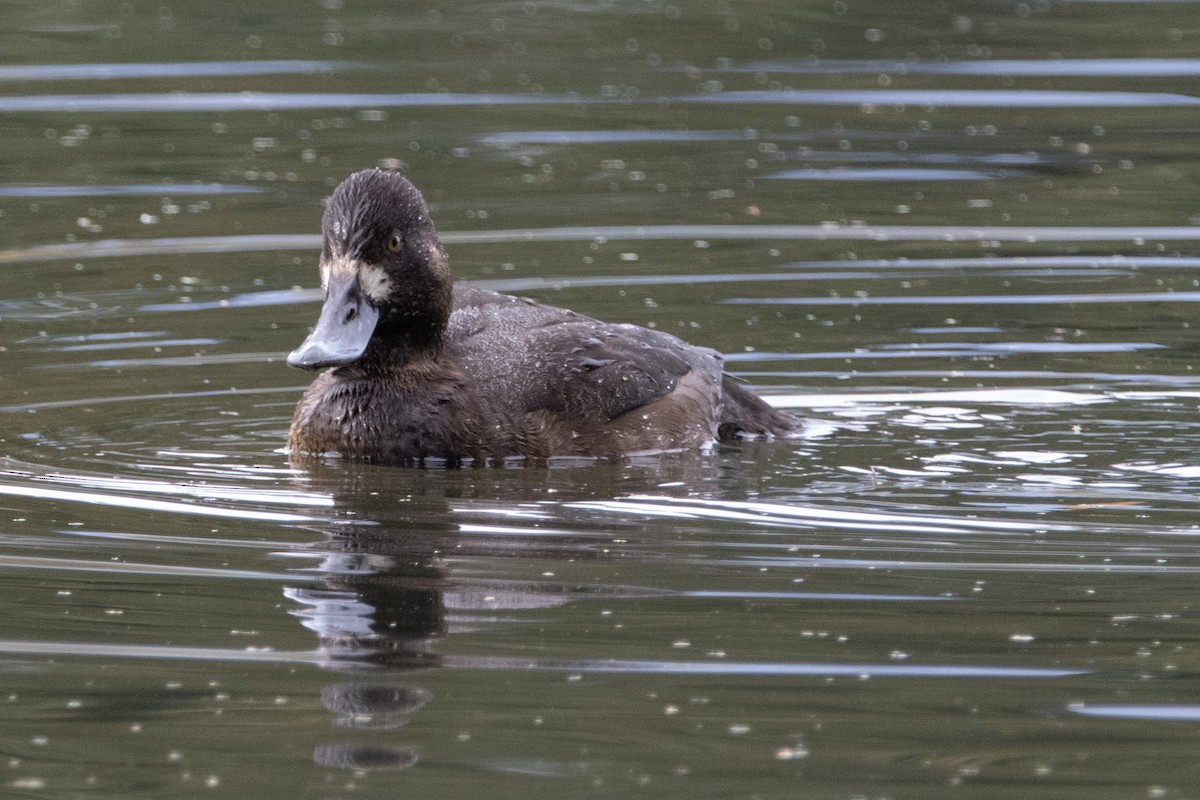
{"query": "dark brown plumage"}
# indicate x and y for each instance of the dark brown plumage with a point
(426, 370)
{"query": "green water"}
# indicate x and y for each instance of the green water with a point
(961, 238)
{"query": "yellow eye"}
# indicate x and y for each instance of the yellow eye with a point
(394, 243)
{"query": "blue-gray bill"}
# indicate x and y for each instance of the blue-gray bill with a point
(343, 330)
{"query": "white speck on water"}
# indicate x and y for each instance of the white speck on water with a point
(1021, 637)
(28, 784)
(793, 752)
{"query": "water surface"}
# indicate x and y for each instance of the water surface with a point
(962, 242)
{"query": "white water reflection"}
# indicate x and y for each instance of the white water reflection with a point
(158, 396)
(1056, 299)
(1032, 67)
(125, 248)
(1166, 713)
(509, 138)
(891, 174)
(240, 502)
(797, 516)
(144, 570)
(618, 666)
(1173, 470)
(792, 670)
(174, 69)
(1002, 397)
(146, 504)
(944, 98)
(128, 190)
(142, 343)
(951, 350)
(209, 102)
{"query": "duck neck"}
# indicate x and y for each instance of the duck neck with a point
(412, 329)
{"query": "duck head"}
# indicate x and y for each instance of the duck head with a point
(385, 276)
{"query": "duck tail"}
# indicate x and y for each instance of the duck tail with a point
(744, 414)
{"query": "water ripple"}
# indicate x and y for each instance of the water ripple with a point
(785, 669)
(128, 190)
(943, 98)
(832, 596)
(507, 138)
(778, 514)
(967, 567)
(124, 248)
(1032, 67)
(97, 346)
(33, 486)
(1005, 397)
(204, 491)
(178, 69)
(110, 567)
(793, 669)
(24, 408)
(963, 350)
(280, 297)
(207, 102)
(195, 102)
(891, 174)
(1175, 713)
(1122, 298)
(173, 361)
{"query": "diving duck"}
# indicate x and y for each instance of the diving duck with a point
(421, 370)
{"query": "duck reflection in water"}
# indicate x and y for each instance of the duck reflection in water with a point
(377, 611)
(386, 595)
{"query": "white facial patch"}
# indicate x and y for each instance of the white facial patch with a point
(373, 280)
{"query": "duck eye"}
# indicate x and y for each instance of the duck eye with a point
(394, 242)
